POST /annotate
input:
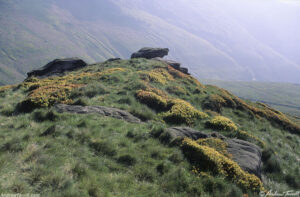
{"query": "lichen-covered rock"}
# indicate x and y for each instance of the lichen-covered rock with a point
(150, 53)
(58, 66)
(104, 111)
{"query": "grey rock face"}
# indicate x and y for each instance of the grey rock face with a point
(246, 154)
(58, 66)
(175, 65)
(150, 53)
(113, 59)
(104, 111)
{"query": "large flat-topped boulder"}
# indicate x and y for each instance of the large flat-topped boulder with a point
(58, 66)
(245, 154)
(150, 53)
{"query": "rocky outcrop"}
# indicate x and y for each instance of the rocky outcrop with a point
(246, 154)
(104, 111)
(58, 66)
(113, 59)
(150, 53)
(175, 65)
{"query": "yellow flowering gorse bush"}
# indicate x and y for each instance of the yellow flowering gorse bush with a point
(7, 87)
(211, 159)
(217, 144)
(48, 91)
(222, 123)
(152, 99)
(176, 110)
(158, 75)
(182, 112)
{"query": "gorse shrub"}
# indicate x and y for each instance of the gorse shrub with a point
(5, 88)
(47, 96)
(152, 100)
(217, 144)
(221, 123)
(46, 92)
(177, 111)
(159, 75)
(209, 159)
(182, 112)
(225, 99)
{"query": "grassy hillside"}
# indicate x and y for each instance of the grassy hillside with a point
(206, 36)
(282, 96)
(53, 154)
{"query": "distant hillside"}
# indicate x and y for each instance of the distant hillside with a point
(282, 96)
(214, 39)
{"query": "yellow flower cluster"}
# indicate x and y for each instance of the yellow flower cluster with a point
(46, 96)
(51, 90)
(261, 110)
(152, 99)
(222, 123)
(159, 75)
(176, 110)
(209, 158)
(4, 88)
(182, 112)
(217, 144)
